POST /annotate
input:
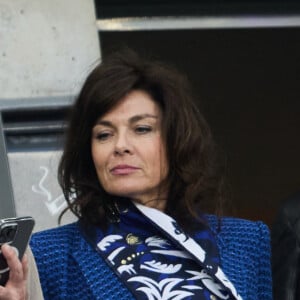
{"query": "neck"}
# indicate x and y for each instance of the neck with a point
(158, 203)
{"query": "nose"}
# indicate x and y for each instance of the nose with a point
(121, 151)
(122, 145)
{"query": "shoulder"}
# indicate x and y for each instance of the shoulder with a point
(249, 236)
(245, 254)
(230, 227)
(59, 231)
(54, 240)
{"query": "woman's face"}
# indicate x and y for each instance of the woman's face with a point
(128, 150)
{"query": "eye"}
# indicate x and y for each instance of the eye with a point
(143, 129)
(103, 136)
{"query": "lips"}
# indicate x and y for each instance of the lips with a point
(123, 170)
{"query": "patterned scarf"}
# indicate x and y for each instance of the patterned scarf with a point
(155, 267)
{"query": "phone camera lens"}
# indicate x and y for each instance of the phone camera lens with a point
(10, 233)
(7, 234)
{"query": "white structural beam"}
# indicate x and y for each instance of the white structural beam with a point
(191, 22)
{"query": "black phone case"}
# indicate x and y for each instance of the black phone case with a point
(16, 232)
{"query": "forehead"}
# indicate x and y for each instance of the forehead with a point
(135, 103)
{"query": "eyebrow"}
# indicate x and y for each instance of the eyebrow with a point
(133, 119)
(141, 117)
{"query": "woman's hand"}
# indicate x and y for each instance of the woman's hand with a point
(15, 288)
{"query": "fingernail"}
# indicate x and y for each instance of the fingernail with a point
(5, 246)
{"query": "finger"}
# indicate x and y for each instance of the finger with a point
(15, 266)
(3, 293)
(25, 266)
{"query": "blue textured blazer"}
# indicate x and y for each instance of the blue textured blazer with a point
(70, 267)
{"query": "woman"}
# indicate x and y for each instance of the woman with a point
(139, 170)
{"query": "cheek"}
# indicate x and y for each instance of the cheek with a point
(164, 165)
(100, 169)
(94, 154)
(98, 158)
(160, 162)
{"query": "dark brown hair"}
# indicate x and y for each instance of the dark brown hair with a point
(194, 177)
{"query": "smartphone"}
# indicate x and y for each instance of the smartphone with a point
(16, 232)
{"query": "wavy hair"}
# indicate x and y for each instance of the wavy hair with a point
(195, 179)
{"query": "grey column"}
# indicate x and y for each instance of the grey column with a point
(7, 206)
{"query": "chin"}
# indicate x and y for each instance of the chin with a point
(126, 192)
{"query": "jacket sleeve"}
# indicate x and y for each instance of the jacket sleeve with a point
(285, 256)
(264, 257)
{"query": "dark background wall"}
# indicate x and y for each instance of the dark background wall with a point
(130, 8)
(248, 84)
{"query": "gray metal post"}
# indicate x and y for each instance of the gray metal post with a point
(7, 205)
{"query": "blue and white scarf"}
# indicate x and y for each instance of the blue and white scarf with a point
(156, 260)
